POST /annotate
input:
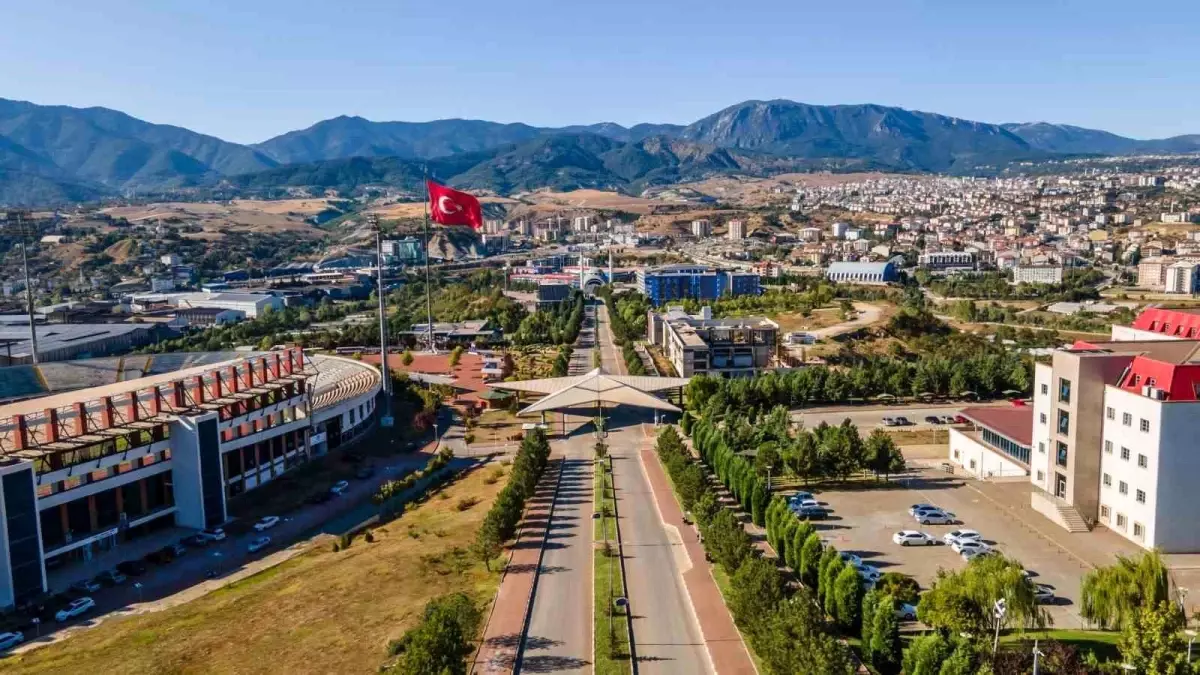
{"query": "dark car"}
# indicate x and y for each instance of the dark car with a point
(812, 513)
(902, 421)
(195, 541)
(163, 556)
(932, 419)
(133, 568)
(364, 473)
(318, 497)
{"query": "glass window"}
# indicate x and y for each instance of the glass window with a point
(1061, 459)
(1041, 447)
(1045, 388)
(1124, 453)
(1041, 476)
(1140, 496)
(1139, 531)
(1121, 520)
(1064, 390)
(1123, 487)
(1042, 418)
(1145, 425)
(1107, 480)
(1108, 447)
(1110, 413)
(1104, 512)
(1143, 461)
(1064, 422)
(1127, 419)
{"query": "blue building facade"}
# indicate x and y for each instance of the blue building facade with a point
(667, 283)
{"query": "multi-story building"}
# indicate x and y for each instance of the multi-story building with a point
(1157, 323)
(947, 260)
(665, 283)
(552, 293)
(1038, 274)
(407, 251)
(839, 230)
(737, 230)
(86, 470)
(700, 344)
(1152, 273)
(998, 444)
(701, 228)
(1183, 277)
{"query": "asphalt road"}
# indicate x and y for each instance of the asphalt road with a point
(869, 418)
(666, 635)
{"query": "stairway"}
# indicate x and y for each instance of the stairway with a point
(1071, 519)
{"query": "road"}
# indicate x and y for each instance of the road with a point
(867, 315)
(666, 634)
(559, 636)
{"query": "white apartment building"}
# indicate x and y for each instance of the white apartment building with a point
(737, 230)
(1183, 277)
(701, 228)
(838, 230)
(1037, 274)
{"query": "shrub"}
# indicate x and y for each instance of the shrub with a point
(466, 503)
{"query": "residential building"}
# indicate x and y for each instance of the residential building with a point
(1038, 274)
(839, 230)
(1183, 277)
(737, 230)
(188, 442)
(1152, 273)
(700, 344)
(947, 260)
(701, 228)
(665, 283)
(862, 272)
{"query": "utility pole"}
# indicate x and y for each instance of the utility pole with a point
(20, 221)
(385, 419)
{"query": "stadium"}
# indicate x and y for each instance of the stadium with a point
(97, 452)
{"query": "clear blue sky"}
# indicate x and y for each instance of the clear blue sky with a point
(249, 69)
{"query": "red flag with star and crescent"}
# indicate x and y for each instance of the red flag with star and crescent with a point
(452, 207)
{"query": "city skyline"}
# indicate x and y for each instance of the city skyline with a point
(247, 74)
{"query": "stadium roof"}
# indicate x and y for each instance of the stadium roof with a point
(594, 387)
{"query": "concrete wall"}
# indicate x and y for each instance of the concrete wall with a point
(980, 460)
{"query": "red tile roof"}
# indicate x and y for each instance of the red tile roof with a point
(1015, 422)
(1180, 381)
(1181, 323)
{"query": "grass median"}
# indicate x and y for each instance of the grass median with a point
(320, 612)
(611, 626)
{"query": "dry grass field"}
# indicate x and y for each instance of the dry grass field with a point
(417, 209)
(283, 216)
(320, 612)
(590, 199)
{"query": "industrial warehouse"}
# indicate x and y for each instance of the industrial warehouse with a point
(83, 470)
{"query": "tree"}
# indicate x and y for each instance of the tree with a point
(828, 585)
(811, 557)
(685, 422)
(767, 459)
(885, 636)
(456, 355)
(727, 541)
(882, 455)
(794, 641)
(804, 459)
(800, 536)
(488, 543)
(900, 586)
(847, 597)
(1152, 641)
(870, 605)
(936, 654)
(1111, 596)
(755, 590)
(962, 601)
(407, 359)
(443, 639)
(758, 502)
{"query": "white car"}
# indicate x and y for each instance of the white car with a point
(266, 523)
(851, 558)
(912, 510)
(259, 544)
(906, 611)
(961, 545)
(10, 640)
(214, 534)
(806, 504)
(77, 607)
(1043, 594)
(913, 538)
(339, 487)
(973, 553)
(935, 518)
(801, 496)
(961, 535)
(868, 572)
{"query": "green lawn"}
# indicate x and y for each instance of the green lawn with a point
(1102, 643)
(611, 629)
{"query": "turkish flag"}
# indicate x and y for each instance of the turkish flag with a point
(451, 207)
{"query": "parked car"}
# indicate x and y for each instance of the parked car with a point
(85, 586)
(912, 510)
(177, 550)
(868, 572)
(933, 419)
(935, 518)
(906, 611)
(961, 535)
(339, 487)
(850, 558)
(74, 609)
(159, 557)
(318, 497)
(889, 421)
(195, 541)
(10, 640)
(913, 538)
(1043, 594)
(959, 419)
(800, 496)
(259, 544)
(902, 421)
(133, 568)
(972, 553)
(111, 578)
(365, 472)
(961, 545)
(817, 513)
(266, 523)
(806, 504)
(213, 534)
(949, 419)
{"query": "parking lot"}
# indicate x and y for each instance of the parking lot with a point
(863, 521)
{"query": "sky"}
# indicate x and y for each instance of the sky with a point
(252, 69)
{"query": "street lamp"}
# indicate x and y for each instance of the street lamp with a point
(998, 611)
(37, 627)
(137, 586)
(1191, 638)
(1036, 653)
(217, 556)
(769, 467)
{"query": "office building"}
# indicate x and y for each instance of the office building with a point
(407, 251)
(1037, 274)
(665, 283)
(702, 345)
(997, 444)
(862, 272)
(87, 470)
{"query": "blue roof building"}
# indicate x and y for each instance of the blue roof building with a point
(667, 283)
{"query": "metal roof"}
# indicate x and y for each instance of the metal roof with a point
(594, 387)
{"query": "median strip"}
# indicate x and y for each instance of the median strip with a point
(612, 651)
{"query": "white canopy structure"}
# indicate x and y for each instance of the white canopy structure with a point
(593, 387)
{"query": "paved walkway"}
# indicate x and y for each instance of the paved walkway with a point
(725, 646)
(501, 643)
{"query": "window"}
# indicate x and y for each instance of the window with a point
(1042, 418)
(1108, 447)
(1064, 422)
(1064, 390)
(1062, 454)
(1123, 487)
(1041, 447)
(1140, 496)
(1107, 480)
(1143, 461)
(1045, 388)
(1145, 425)
(1110, 413)
(1103, 512)
(1124, 453)
(1139, 532)
(1127, 419)
(955, 454)
(1121, 521)
(1041, 476)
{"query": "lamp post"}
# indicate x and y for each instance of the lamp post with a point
(769, 467)
(998, 611)
(1036, 653)
(37, 627)
(137, 586)
(1191, 638)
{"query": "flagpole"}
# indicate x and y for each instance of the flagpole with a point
(428, 283)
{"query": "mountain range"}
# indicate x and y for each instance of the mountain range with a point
(55, 154)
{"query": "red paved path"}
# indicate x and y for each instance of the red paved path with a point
(725, 646)
(502, 636)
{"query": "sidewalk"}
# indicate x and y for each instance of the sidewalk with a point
(725, 646)
(506, 624)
